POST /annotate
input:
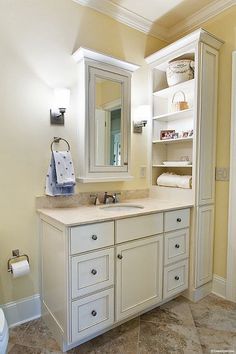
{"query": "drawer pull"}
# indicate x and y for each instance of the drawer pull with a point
(177, 245)
(120, 256)
(179, 219)
(93, 271)
(176, 277)
(94, 313)
(94, 237)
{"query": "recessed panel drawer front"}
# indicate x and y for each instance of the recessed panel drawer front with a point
(92, 314)
(90, 237)
(138, 227)
(175, 279)
(176, 246)
(177, 219)
(92, 272)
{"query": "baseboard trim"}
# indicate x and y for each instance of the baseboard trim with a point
(23, 310)
(219, 286)
(195, 295)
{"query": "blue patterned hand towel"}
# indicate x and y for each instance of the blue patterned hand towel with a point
(60, 178)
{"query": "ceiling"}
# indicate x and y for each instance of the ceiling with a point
(165, 19)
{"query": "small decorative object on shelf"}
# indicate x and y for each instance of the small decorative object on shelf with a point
(167, 134)
(179, 71)
(171, 134)
(179, 105)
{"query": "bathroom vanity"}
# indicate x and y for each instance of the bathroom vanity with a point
(103, 266)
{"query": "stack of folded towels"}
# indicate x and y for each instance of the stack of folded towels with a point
(60, 178)
(173, 180)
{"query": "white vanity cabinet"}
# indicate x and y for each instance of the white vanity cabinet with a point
(106, 272)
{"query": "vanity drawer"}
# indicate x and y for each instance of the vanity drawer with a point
(138, 227)
(176, 246)
(92, 314)
(90, 237)
(175, 279)
(177, 219)
(92, 272)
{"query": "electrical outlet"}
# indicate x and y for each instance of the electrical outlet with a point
(142, 171)
(222, 174)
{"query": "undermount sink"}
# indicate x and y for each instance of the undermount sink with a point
(121, 207)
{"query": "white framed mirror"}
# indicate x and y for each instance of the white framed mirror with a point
(104, 122)
(109, 121)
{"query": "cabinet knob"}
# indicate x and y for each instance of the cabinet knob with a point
(120, 256)
(94, 237)
(177, 245)
(179, 219)
(176, 277)
(93, 271)
(94, 313)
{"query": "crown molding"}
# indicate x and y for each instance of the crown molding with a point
(82, 53)
(144, 25)
(126, 17)
(199, 17)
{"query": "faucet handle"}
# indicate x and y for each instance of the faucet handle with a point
(96, 200)
(116, 200)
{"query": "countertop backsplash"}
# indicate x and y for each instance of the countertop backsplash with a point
(85, 199)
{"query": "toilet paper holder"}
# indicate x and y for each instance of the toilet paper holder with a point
(15, 255)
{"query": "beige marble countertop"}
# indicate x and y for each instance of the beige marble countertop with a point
(90, 214)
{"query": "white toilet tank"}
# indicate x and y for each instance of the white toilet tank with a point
(4, 333)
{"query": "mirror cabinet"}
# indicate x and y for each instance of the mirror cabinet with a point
(104, 90)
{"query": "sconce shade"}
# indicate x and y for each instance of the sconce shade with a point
(61, 98)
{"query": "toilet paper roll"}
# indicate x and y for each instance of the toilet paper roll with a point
(20, 268)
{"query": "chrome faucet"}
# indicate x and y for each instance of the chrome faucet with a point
(109, 196)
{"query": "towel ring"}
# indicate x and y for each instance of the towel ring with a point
(57, 140)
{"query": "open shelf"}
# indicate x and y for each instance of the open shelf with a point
(170, 91)
(172, 141)
(187, 113)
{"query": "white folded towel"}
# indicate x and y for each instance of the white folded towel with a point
(173, 180)
(60, 178)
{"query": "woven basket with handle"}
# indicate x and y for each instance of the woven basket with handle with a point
(179, 105)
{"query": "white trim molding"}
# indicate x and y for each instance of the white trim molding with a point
(219, 286)
(126, 17)
(199, 17)
(198, 294)
(231, 257)
(147, 26)
(23, 310)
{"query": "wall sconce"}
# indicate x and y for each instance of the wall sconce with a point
(60, 104)
(140, 113)
(138, 126)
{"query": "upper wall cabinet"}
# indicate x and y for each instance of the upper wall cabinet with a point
(104, 87)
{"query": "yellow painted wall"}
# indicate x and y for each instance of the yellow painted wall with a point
(106, 92)
(223, 26)
(37, 39)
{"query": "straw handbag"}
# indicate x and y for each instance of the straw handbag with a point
(179, 105)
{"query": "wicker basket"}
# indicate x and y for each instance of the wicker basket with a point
(179, 105)
(179, 71)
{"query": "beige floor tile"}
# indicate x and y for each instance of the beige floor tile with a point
(178, 327)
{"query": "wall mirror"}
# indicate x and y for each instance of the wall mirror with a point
(109, 120)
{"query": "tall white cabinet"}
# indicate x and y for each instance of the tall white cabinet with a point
(199, 147)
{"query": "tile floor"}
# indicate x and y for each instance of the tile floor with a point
(178, 327)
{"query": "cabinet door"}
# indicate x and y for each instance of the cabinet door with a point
(204, 249)
(139, 275)
(207, 125)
